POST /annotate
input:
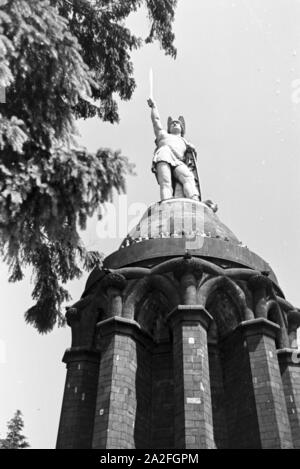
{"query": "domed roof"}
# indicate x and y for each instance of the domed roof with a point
(179, 218)
(174, 227)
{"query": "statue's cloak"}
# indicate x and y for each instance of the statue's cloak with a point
(191, 162)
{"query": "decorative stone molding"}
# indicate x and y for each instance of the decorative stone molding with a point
(188, 265)
(289, 356)
(123, 326)
(260, 326)
(76, 354)
(72, 315)
(257, 282)
(191, 314)
(114, 280)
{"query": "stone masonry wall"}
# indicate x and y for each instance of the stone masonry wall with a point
(78, 408)
(162, 397)
(241, 416)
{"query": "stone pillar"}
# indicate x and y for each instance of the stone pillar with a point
(78, 408)
(193, 409)
(274, 427)
(217, 396)
(121, 406)
(289, 361)
(293, 317)
(113, 284)
(239, 400)
(259, 285)
(188, 272)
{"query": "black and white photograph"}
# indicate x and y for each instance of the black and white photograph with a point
(149, 227)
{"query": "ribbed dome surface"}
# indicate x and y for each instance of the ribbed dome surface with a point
(174, 227)
(177, 218)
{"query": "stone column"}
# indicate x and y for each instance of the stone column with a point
(273, 422)
(217, 396)
(289, 361)
(78, 407)
(188, 273)
(122, 406)
(259, 285)
(193, 409)
(293, 318)
(114, 284)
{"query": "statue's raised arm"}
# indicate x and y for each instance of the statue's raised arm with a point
(176, 173)
(157, 125)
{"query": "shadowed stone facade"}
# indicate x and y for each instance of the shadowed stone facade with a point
(183, 340)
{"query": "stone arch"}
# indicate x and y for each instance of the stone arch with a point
(234, 291)
(155, 293)
(243, 285)
(226, 302)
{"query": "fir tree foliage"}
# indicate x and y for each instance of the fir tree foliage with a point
(61, 60)
(15, 438)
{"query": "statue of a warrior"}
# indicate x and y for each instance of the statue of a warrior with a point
(174, 161)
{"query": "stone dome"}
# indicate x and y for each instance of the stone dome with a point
(179, 218)
(174, 227)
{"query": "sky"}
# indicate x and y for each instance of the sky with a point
(236, 80)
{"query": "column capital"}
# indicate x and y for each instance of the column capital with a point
(75, 354)
(190, 314)
(124, 326)
(258, 327)
(72, 316)
(293, 317)
(289, 356)
(259, 281)
(114, 280)
(188, 265)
